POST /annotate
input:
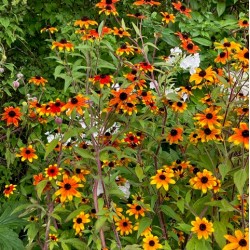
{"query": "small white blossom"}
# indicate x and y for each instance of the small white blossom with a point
(190, 62)
(125, 189)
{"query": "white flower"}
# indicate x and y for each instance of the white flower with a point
(125, 189)
(99, 188)
(176, 50)
(153, 84)
(191, 62)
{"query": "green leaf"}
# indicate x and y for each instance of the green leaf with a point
(219, 231)
(170, 212)
(184, 227)
(221, 6)
(139, 172)
(202, 41)
(64, 246)
(76, 243)
(132, 247)
(180, 205)
(40, 187)
(58, 71)
(224, 169)
(9, 240)
(166, 246)
(143, 224)
(240, 178)
(100, 223)
(50, 147)
(137, 31)
(84, 153)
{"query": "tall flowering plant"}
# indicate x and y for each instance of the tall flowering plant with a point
(144, 145)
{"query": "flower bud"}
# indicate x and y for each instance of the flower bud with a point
(15, 84)
(1, 70)
(19, 75)
(58, 120)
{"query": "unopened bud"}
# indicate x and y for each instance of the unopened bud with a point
(1, 70)
(15, 84)
(58, 120)
(19, 75)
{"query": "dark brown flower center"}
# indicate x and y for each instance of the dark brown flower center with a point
(79, 220)
(63, 41)
(144, 93)
(173, 132)
(202, 73)
(245, 133)
(202, 227)
(162, 177)
(27, 152)
(245, 110)
(38, 77)
(124, 46)
(196, 170)
(151, 243)
(123, 96)
(207, 131)
(190, 46)
(131, 138)
(125, 224)
(145, 64)
(243, 243)
(188, 87)
(195, 135)
(109, 1)
(246, 55)
(245, 22)
(74, 100)
(182, 8)
(138, 208)
(120, 32)
(222, 54)
(84, 18)
(78, 170)
(167, 16)
(52, 170)
(179, 104)
(204, 179)
(111, 164)
(137, 14)
(93, 211)
(209, 116)
(12, 113)
(227, 44)
(102, 76)
(130, 105)
(67, 186)
(57, 104)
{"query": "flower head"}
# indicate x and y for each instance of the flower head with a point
(241, 135)
(68, 188)
(49, 29)
(63, 44)
(202, 227)
(12, 115)
(151, 242)
(136, 210)
(79, 222)
(27, 153)
(163, 178)
(238, 242)
(85, 22)
(146, 2)
(52, 171)
(203, 181)
(175, 135)
(182, 8)
(9, 189)
(124, 226)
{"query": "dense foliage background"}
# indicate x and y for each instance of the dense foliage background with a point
(95, 140)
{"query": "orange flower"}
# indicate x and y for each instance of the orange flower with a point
(137, 15)
(227, 45)
(206, 134)
(201, 74)
(209, 118)
(136, 210)
(182, 9)
(37, 178)
(78, 102)
(175, 135)
(85, 21)
(168, 17)
(68, 188)
(243, 23)
(9, 189)
(189, 46)
(38, 80)
(146, 2)
(102, 80)
(62, 45)
(107, 6)
(52, 171)
(50, 29)
(144, 66)
(125, 48)
(55, 107)
(242, 56)
(12, 115)
(179, 106)
(183, 36)
(223, 57)
(27, 154)
(120, 32)
(241, 135)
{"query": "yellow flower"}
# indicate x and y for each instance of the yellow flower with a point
(239, 242)
(202, 227)
(151, 242)
(163, 178)
(79, 222)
